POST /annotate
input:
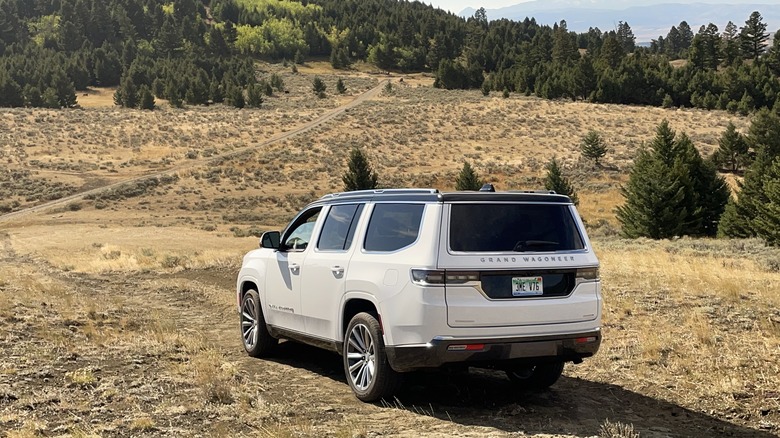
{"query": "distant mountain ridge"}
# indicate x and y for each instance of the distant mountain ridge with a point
(647, 21)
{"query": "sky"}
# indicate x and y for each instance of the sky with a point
(455, 6)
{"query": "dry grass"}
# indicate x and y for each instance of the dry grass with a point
(119, 310)
(693, 322)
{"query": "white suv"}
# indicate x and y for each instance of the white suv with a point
(408, 279)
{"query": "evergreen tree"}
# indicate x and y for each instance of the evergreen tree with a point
(216, 93)
(593, 147)
(468, 179)
(277, 82)
(732, 150)
(753, 36)
(235, 97)
(63, 86)
(10, 91)
(127, 93)
(32, 96)
(359, 175)
(146, 98)
(50, 99)
(626, 37)
(557, 182)
(254, 96)
(486, 88)
(671, 191)
(169, 39)
(767, 222)
(654, 200)
(340, 87)
(173, 94)
(730, 45)
(319, 87)
(707, 194)
(764, 139)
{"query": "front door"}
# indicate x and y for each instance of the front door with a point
(283, 279)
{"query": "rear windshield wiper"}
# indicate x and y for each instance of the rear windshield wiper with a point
(525, 245)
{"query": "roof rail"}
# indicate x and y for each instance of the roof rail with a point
(545, 192)
(380, 192)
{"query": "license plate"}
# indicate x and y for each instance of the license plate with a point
(527, 286)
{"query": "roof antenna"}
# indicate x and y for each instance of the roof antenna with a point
(487, 188)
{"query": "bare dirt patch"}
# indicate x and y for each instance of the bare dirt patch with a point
(117, 312)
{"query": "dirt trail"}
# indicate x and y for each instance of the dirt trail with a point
(328, 116)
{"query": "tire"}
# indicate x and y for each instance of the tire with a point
(254, 333)
(537, 377)
(365, 363)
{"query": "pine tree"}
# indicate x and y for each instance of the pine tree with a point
(173, 94)
(707, 194)
(169, 39)
(66, 92)
(340, 87)
(127, 93)
(216, 93)
(146, 98)
(277, 82)
(671, 191)
(50, 99)
(468, 179)
(764, 139)
(732, 152)
(10, 91)
(557, 182)
(593, 147)
(753, 36)
(359, 175)
(254, 95)
(235, 97)
(654, 200)
(730, 44)
(767, 222)
(319, 87)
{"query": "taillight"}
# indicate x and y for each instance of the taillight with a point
(588, 274)
(429, 277)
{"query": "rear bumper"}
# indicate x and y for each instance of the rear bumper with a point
(497, 353)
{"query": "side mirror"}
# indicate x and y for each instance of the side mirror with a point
(270, 239)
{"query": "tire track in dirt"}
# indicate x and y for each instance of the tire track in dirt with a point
(327, 117)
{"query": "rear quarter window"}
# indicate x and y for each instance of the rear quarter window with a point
(520, 227)
(393, 226)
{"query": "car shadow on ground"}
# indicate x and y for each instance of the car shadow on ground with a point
(487, 398)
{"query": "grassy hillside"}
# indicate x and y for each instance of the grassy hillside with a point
(118, 310)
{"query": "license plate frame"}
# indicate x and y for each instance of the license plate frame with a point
(528, 286)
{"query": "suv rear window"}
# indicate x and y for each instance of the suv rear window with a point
(393, 226)
(513, 228)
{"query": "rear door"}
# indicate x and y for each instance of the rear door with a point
(322, 282)
(515, 264)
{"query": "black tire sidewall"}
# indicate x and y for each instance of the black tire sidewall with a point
(263, 340)
(384, 377)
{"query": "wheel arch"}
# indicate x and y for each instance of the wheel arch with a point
(245, 285)
(355, 305)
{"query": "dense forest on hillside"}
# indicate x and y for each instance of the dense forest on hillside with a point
(196, 52)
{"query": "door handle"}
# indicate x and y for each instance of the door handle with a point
(338, 270)
(295, 268)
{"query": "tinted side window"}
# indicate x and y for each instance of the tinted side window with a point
(513, 228)
(393, 226)
(339, 227)
(301, 230)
